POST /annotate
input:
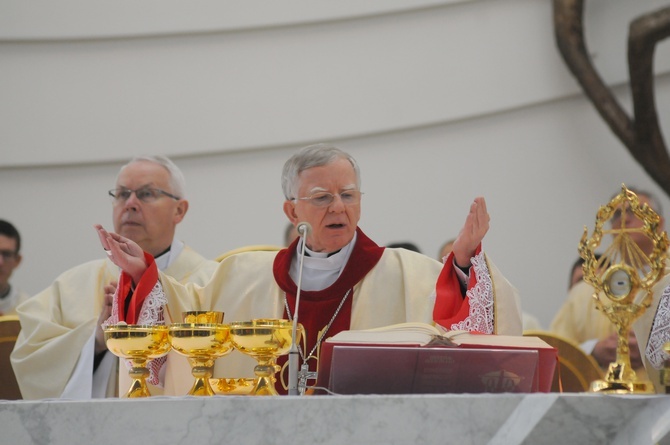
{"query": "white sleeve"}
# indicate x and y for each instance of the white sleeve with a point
(83, 383)
(102, 375)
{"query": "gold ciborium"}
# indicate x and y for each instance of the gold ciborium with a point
(623, 278)
(139, 344)
(202, 342)
(265, 340)
(202, 317)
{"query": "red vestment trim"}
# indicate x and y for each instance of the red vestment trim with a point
(450, 306)
(143, 289)
(318, 307)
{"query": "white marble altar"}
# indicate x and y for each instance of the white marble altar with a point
(418, 419)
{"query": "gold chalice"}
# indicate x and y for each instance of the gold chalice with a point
(202, 343)
(265, 340)
(139, 344)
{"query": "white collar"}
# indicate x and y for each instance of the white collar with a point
(320, 270)
(165, 260)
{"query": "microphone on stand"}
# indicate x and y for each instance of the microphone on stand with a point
(303, 229)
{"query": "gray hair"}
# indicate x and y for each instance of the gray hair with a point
(177, 181)
(316, 155)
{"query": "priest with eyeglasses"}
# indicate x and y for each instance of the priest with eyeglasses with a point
(61, 350)
(348, 280)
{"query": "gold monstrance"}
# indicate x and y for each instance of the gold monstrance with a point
(623, 278)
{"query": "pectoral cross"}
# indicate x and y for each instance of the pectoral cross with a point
(304, 375)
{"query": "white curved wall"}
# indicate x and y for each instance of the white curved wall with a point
(439, 101)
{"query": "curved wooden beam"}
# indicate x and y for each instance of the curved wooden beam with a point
(642, 134)
(650, 150)
(569, 31)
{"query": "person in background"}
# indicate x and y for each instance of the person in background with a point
(10, 258)
(577, 271)
(61, 351)
(348, 281)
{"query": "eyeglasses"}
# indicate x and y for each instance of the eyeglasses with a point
(144, 194)
(8, 255)
(324, 199)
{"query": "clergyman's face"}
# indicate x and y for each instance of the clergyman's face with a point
(631, 221)
(334, 225)
(149, 224)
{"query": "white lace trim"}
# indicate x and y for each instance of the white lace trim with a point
(152, 308)
(480, 297)
(150, 314)
(660, 332)
(114, 318)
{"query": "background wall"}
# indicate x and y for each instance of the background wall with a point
(439, 101)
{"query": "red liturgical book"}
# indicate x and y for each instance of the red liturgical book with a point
(416, 358)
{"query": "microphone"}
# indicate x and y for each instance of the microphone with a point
(303, 229)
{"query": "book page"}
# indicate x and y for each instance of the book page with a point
(401, 333)
(519, 341)
(415, 333)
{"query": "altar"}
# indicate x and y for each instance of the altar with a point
(391, 419)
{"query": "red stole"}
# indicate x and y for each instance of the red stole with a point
(450, 305)
(317, 307)
(131, 313)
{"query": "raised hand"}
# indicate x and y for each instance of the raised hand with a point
(473, 231)
(123, 252)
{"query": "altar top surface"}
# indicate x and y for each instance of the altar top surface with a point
(426, 419)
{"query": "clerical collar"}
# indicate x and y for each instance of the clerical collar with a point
(164, 252)
(320, 270)
(310, 252)
(165, 259)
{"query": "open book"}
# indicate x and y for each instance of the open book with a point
(420, 334)
(422, 358)
(424, 334)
